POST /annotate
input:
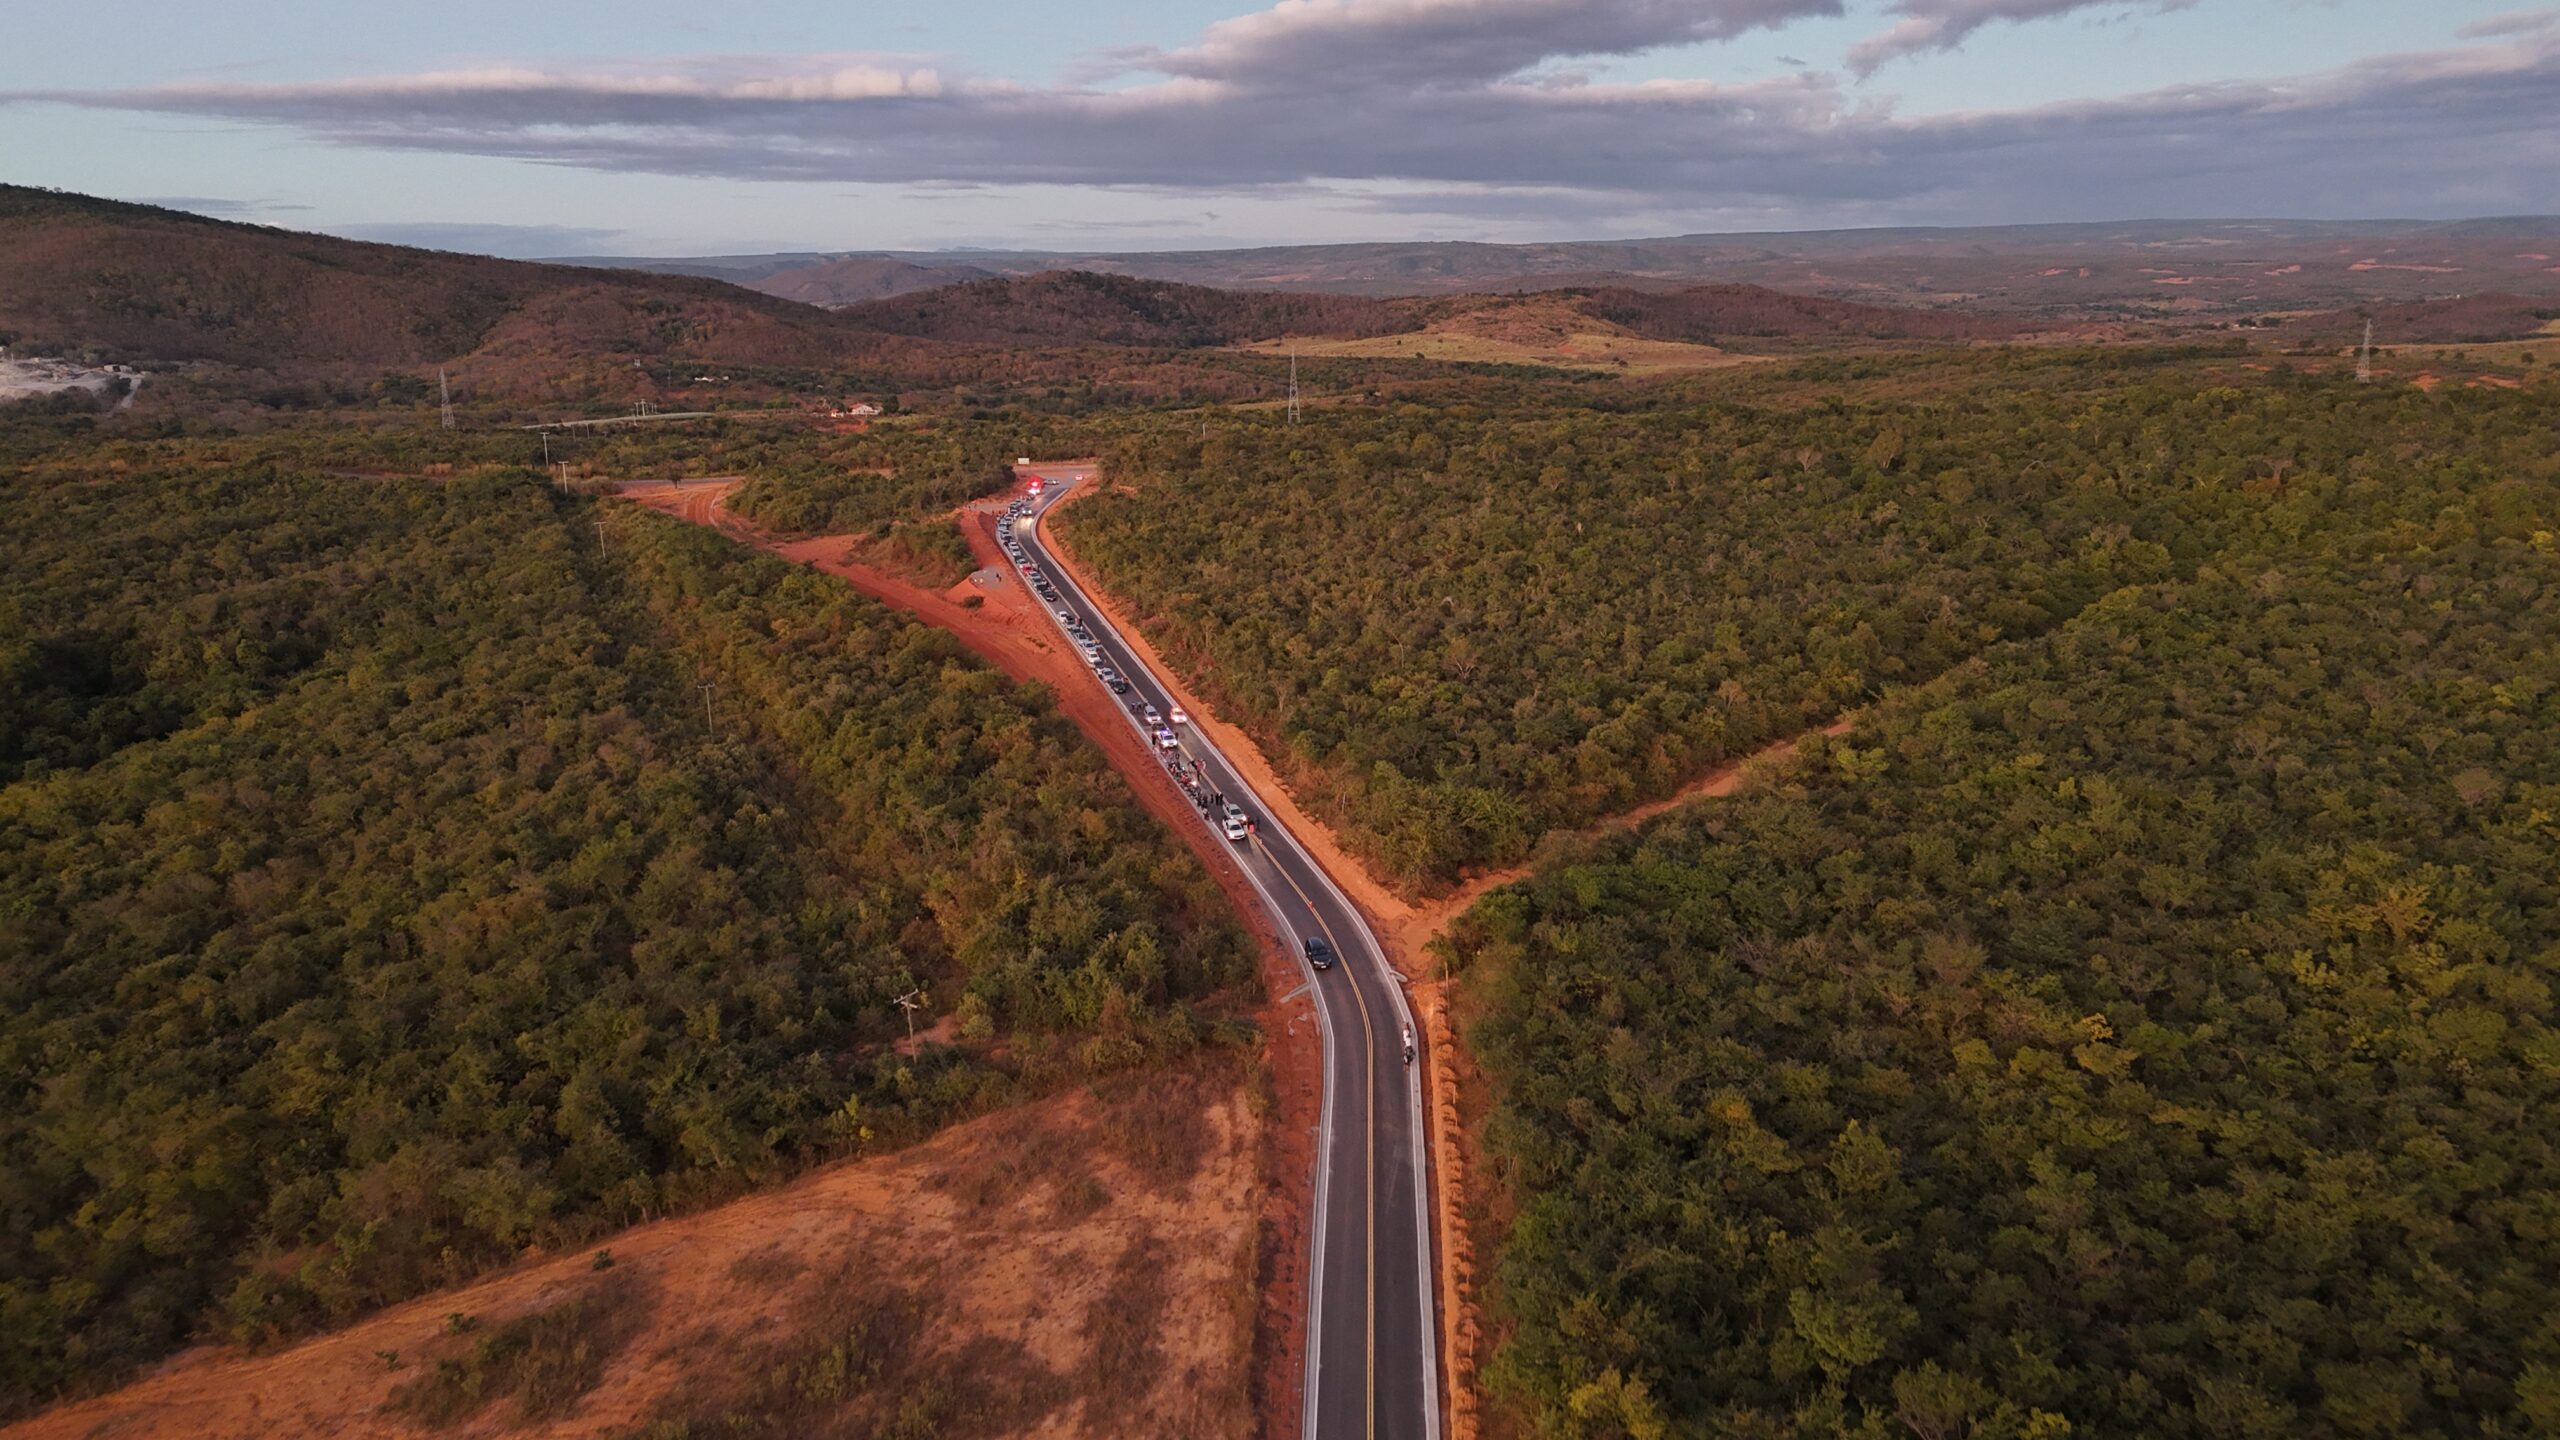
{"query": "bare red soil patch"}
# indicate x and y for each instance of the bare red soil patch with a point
(1082, 1265)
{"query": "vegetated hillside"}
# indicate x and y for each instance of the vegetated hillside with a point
(1545, 329)
(81, 274)
(851, 279)
(2146, 1031)
(310, 321)
(1072, 307)
(375, 900)
(1718, 314)
(2461, 320)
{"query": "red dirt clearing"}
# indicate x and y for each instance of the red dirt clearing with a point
(1019, 1230)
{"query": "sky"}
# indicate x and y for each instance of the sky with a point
(650, 128)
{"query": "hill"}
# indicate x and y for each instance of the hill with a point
(1071, 307)
(1712, 314)
(852, 279)
(130, 281)
(113, 281)
(1610, 327)
(1548, 328)
(2157, 267)
(2459, 320)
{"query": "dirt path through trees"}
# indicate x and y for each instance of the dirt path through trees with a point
(992, 613)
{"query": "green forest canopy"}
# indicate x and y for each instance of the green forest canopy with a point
(374, 900)
(2144, 1030)
(1460, 627)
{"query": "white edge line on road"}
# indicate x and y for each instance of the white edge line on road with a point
(1324, 1017)
(1421, 1171)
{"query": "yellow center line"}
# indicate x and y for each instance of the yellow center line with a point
(1369, 1158)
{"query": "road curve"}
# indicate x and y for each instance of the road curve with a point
(1372, 1365)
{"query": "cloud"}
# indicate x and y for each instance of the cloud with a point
(1943, 24)
(1441, 42)
(2457, 131)
(2514, 22)
(513, 242)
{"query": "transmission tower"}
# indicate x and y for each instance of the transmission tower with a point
(1293, 386)
(2364, 357)
(444, 387)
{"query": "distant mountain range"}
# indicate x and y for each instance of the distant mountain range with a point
(117, 281)
(2150, 268)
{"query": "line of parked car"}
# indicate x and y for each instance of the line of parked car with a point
(1225, 815)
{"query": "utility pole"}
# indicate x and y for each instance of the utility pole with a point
(1293, 384)
(705, 687)
(911, 1002)
(599, 534)
(546, 449)
(444, 388)
(2364, 357)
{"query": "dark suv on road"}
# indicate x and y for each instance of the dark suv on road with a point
(1319, 953)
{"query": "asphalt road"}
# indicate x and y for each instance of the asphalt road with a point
(1372, 1367)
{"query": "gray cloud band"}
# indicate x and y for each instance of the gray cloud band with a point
(1943, 24)
(2463, 130)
